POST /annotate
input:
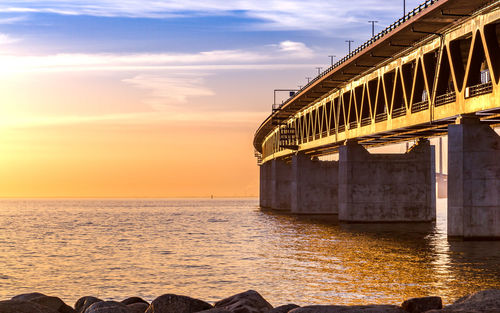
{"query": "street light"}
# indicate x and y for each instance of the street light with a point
(404, 7)
(331, 58)
(373, 27)
(308, 79)
(349, 41)
(319, 70)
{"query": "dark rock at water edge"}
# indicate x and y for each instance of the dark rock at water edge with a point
(18, 306)
(349, 309)
(134, 300)
(54, 303)
(216, 310)
(84, 302)
(138, 307)
(108, 307)
(418, 305)
(486, 301)
(170, 303)
(246, 302)
(284, 308)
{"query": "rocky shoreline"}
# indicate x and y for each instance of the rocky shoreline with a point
(487, 301)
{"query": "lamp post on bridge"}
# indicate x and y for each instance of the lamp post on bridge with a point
(349, 42)
(373, 27)
(319, 70)
(404, 7)
(308, 79)
(332, 59)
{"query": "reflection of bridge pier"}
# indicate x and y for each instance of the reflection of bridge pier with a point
(411, 81)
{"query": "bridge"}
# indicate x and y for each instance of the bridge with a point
(434, 72)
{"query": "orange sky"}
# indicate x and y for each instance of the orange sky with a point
(87, 135)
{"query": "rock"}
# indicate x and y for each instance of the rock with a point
(284, 308)
(138, 307)
(486, 301)
(18, 306)
(134, 300)
(246, 302)
(84, 302)
(170, 303)
(349, 309)
(418, 305)
(27, 296)
(216, 310)
(54, 303)
(108, 307)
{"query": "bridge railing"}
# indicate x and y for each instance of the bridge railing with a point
(378, 36)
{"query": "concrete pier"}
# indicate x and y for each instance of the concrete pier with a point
(265, 185)
(280, 188)
(473, 180)
(314, 186)
(387, 187)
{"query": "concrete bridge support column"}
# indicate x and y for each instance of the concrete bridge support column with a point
(387, 187)
(281, 173)
(314, 186)
(265, 185)
(473, 180)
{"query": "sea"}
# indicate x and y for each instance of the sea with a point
(213, 248)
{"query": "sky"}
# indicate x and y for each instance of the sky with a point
(156, 98)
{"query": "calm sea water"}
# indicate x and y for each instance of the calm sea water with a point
(211, 249)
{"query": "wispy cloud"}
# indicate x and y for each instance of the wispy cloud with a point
(209, 60)
(168, 90)
(6, 39)
(12, 20)
(273, 14)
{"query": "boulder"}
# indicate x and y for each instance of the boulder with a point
(27, 296)
(170, 303)
(134, 300)
(486, 301)
(18, 306)
(216, 310)
(418, 305)
(138, 307)
(349, 309)
(246, 302)
(54, 303)
(284, 308)
(108, 307)
(84, 302)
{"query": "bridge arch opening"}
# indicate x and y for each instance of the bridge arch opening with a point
(429, 67)
(398, 100)
(420, 94)
(380, 103)
(445, 89)
(459, 52)
(365, 114)
(478, 76)
(330, 112)
(408, 71)
(389, 87)
(492, 38)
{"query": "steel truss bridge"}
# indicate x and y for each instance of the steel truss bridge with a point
(409, 81)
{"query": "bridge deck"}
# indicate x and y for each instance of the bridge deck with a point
(411, 80)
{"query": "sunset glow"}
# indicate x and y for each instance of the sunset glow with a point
(154, 99)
